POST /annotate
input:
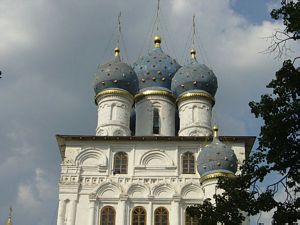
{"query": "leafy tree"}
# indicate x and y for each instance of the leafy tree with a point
(279, 145)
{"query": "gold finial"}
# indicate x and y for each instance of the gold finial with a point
(157, 41)
(193, 53)
(117, 52)
(215, 130)
(9, 220)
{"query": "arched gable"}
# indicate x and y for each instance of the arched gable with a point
(164, 191)
(191, 191)
(91, 157)
(108, 190)
(156, 158)
(138, 191)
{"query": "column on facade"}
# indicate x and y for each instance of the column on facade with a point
(61, 212)
(175, 219)
(72, 213)
(121, 212)
(150, 213)
(92, 212)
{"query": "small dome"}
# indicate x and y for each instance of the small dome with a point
(194, 76)
(216, 157)
(116, 74)
(156, 69)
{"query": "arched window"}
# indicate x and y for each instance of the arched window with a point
(156, 121)
(108, 216)
(138, 216)
(161, 216)
(188, 163)
(120, 163)
(190, 220)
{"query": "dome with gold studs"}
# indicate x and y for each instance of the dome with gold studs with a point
(156, 69)
(116, 74)
(194, 76)
(216, 157)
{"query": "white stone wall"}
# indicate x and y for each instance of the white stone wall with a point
(114, 115)
(144, 115)
(195, 117)
(154, 179)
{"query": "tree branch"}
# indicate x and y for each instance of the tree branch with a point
(295, 59)
(278, 43)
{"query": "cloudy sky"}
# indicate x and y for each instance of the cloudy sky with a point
(49, 52)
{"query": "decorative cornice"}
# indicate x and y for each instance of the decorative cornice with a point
(216, 175)
(191, 95)
(64, 140)
(140, 95)
(119, 92)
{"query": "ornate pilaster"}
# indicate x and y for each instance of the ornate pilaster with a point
(121, 213)
(175, 220)
(150, 211)
(92, 207)
(61, 212)
(72, 213)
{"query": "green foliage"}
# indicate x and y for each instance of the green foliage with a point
(290, 14)
(279, 136)
(209, 214)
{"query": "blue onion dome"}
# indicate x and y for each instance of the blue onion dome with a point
(217, 159)
(116, 74)
(156, 69)
(194, 76)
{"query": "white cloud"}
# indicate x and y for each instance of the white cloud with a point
(14, 32)
(35, 198)
(27, 197)
(44, 186)
(35, 192)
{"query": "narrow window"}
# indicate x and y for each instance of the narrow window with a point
(120, 163)
(188, 163)
(161, 216)
(195, 114)
(156, 121)
(139, 216)
(108, 216)
(189, 220)
(112, 112)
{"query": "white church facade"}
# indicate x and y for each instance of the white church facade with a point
(155, 151)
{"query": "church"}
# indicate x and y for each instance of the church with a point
(155, 150)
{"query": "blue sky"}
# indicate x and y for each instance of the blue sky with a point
(49, 52)
(255, 11)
